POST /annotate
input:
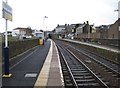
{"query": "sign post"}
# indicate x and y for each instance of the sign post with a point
(7, 15)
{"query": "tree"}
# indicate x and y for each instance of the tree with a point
(29, 31)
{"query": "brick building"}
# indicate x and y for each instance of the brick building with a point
(114, 31)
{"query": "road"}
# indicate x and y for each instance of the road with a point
(25, 68)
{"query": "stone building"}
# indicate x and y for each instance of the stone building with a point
(114, 31)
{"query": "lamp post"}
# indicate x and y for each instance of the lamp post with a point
(44, 28)
(44, 22)
(118, 10)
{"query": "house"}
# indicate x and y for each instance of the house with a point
(79, 29)
(69, 28)
(109, 34)
(102, 31)
(60, 29)
(114, 31)
(70, 31)
(22, 32)
(85, 31)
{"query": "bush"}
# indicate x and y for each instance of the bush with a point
(20, 46)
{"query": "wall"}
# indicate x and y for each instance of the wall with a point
(113, 32)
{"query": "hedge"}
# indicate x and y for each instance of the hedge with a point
(20, 46)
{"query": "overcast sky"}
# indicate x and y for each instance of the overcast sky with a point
(31, 12)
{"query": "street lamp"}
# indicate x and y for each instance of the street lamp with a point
(118, 10)
(44, 22)
(44, 28)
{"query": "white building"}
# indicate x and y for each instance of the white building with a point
(79, 30)
(21, 33)
(60, 29)
(15, 33)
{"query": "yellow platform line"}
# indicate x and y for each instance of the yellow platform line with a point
(44, 74)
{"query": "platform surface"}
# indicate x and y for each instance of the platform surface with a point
(95, 45)
(51, 73)
(26, 67)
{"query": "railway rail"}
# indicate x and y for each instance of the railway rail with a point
(108, 64)
(80, 74)
(101, 69)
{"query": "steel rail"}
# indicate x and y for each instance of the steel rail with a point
(118, 73)
(102, 83)
(69, 69)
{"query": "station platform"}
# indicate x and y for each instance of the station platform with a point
(116, 50)
(51, 72)
(39, 67)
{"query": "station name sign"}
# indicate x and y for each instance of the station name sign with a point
(7, 11)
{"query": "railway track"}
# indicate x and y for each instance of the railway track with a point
(76, 73)
(109, 65)
(107, 71)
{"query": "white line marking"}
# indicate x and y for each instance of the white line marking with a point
(22, 59)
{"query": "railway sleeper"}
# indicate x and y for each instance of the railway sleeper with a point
(76, 67)
(85, 80)
(68, 80)
(67, 77)
(82, 74)
(69, 84)
(89, 84)
(79, 71)
(65, 71)
(73, 66)
(83, 77)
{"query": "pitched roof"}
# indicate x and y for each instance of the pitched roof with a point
(18, 28)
